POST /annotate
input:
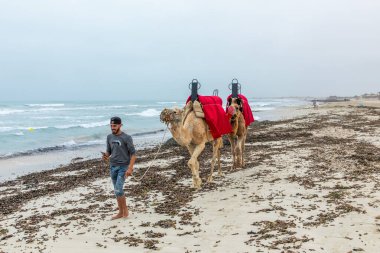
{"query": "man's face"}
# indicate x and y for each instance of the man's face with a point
(115, 128)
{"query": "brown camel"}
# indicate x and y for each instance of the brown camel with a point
(193, 133)
(239, 133)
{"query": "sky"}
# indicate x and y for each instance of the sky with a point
(137, 50)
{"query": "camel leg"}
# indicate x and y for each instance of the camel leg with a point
(232, 142)
(220, 172)
(194, 165)
(243, 149)
(215, 148)
(191, 149)
(239, 151)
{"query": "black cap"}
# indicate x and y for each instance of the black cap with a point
(115, 120)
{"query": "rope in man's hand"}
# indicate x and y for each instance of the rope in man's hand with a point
(155, 156)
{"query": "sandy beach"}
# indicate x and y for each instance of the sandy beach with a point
(311, 184)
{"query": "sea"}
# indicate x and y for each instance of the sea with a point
(42, 135)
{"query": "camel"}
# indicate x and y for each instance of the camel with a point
(193, 133)
(239, 133)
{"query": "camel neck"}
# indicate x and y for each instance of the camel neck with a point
(176, 129)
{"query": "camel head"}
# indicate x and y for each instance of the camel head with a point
(234, 105)
(173, 116)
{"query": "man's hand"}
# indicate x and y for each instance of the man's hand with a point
(128, 173)
(130, 168)
(105, 156)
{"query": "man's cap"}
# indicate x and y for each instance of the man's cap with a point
(115, 120)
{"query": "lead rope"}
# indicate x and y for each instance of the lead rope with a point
(159, 148)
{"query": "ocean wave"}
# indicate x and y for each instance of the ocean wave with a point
(10, 111)
(72, 145)
(45, 109)
(151, 112)
(4, 129)
(95, 124)
(8, 129)
(263, 109)
(82, 108)
(66, 145)
(84, 125)
(69, 143)
(264, 104)
(44, 105)
(109, 107)
(167, 102)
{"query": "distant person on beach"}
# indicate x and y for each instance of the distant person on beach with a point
(121, 154)
(315, 105)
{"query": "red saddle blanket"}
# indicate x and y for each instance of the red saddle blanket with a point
(216, 118)
(247, 112)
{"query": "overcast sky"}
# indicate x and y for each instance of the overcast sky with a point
(124, 50)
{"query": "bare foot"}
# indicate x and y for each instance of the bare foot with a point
(126, 214)
(117, 216)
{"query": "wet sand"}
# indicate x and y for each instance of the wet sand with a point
(310, 184)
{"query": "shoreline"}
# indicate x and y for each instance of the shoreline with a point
(42, 161)
(21, 165)
(295, 193)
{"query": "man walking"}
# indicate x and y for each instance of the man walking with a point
(121, 154)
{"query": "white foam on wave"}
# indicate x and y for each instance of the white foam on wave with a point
(8, 129)
(19, 133)
(82, 108)
(109, 107)
(151, 112)
(32, 129)
(255, 109)
(264, 104)
(73, 143)
(69, 143)
(45, 105)
(84, 125)
(5, 129)
(10, 111)
(95, 124)
(167, 102)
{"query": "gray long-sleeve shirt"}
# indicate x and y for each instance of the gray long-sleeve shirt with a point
(121, 148)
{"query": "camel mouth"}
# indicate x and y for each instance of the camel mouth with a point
(167, 116)
(231, 110)
(170, 116)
